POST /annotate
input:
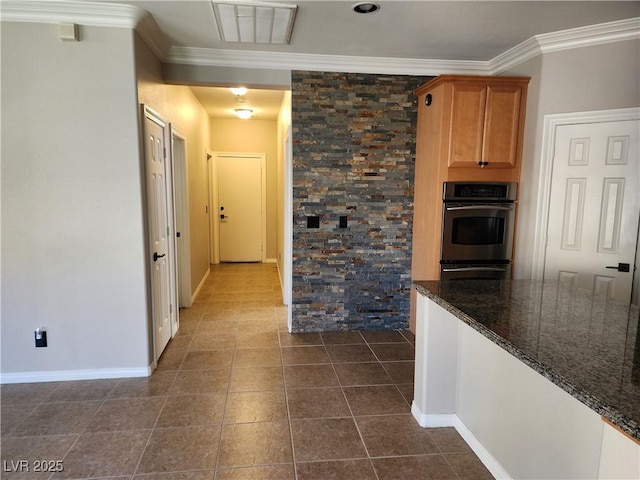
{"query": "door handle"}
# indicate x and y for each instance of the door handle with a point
(223, 216)
(475, 269)
(156, 256)
(621, 267)
(506, 208)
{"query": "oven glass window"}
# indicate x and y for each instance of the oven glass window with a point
(478, 231)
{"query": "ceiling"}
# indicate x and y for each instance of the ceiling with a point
(220, 102)
(449, 31)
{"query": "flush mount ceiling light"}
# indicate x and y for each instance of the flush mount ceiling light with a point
(244, 113)
(366, 7)
(254, 22)
(239, 91)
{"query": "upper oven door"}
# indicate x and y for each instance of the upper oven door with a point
(477, 232)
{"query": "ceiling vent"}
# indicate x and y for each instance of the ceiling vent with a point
(254, 22)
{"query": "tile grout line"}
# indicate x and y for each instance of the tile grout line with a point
(353, 418)
(153, 428)
(84, 430)
(289, 420)
(155, 424)
(224, 409)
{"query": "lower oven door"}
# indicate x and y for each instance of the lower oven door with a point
(488, 272)
(478, 232)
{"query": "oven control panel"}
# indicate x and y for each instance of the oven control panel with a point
(462, 191)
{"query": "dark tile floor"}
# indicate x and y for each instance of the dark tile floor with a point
(237, 397)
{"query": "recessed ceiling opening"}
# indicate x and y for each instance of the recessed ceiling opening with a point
(366, 7)
(254, 22)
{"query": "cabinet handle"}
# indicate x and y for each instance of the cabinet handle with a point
(483, 164)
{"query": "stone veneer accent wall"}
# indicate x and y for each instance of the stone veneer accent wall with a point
(354, 156)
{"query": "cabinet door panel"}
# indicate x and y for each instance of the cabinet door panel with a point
(502, 117)
(467, 119)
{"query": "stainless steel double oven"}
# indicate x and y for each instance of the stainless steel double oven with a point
(477, 230)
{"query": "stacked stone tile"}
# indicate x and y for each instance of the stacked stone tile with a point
(353, 155)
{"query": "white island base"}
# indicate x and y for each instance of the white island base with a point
(520, 424)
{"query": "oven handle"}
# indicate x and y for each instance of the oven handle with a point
(507, 208)
(475, 269)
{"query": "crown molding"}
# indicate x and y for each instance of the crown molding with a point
(129, 16)
(153, 36)
(599, 34)
(317, 62)
(97, 14)
(549, 42)
(592, 35)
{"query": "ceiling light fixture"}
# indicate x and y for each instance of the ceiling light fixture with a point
(238, 91)
(254, 22)
(366, 7)
(244, 113)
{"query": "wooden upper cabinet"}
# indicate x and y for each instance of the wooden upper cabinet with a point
(468, 103)
(502, 134)
(485, 125)
(481, 125)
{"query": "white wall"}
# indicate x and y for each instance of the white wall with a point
(583, 79)
(178, 105)
(73, 246)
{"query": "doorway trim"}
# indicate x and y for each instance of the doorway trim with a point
(288, 229)
(181, 201)
(551, 124)
(215, 204)
(151, 115)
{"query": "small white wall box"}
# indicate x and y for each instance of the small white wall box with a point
(69, 32)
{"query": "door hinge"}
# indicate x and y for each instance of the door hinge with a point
(164, 152)
(168, 231)
(171, 308)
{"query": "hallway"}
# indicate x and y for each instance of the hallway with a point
(237, 397)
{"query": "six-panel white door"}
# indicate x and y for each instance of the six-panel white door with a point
(595, 207)
(155, 155)
(240, 207)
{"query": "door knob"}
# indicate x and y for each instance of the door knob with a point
(223, 216)
(156, 256)
(621, 267)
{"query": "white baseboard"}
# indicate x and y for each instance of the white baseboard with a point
(433, 421)
(69, 375)
(452, 420)
(270, 260)
(489, 461)
(200, 285)
(284, 297)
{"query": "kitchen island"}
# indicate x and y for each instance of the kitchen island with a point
(528, 371)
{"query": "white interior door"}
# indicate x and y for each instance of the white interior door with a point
(159, 231)
(595, 207)
(240, 209)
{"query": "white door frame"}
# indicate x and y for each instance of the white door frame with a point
(215, 204)
(287, 253)
(148, 113)
(213, 226)
(551, 124)
(181, 201)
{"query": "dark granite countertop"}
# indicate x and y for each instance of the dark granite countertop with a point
(586, 345)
